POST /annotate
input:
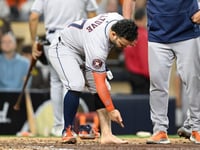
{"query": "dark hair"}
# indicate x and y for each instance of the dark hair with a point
(125, 28)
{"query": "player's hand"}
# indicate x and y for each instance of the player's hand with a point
(116, 117)
(196, 17)
(35, 52)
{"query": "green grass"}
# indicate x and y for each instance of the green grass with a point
(135, 136)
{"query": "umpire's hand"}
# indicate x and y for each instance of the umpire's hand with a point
(116, 117)
(196, 17)
(35, 52)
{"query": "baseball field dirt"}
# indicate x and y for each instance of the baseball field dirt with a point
(54, 143)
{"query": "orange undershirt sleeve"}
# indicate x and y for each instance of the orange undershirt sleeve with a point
(102, 90)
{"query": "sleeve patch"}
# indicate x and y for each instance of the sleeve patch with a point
(97, 63)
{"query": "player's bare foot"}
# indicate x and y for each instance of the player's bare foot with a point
(111, 139)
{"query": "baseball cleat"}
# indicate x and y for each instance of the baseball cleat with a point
(195, 137)
(69, 137)
(87, 132)
(184, 132)
(158, 138)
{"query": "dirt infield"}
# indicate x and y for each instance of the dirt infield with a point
(52, 143)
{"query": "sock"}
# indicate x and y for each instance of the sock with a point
(71, 103)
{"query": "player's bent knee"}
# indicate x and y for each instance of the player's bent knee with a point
(77, 86)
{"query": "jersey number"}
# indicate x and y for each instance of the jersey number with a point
(78, 24)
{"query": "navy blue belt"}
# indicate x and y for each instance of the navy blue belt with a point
(51, 31)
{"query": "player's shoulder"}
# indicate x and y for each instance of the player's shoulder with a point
(115, 15)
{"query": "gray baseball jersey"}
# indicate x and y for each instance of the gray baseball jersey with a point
(58, 13)
(90, 38)
(84, 40)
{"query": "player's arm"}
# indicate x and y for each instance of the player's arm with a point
(33, 24)
(104, 94)
(102, 90)
(128, 8)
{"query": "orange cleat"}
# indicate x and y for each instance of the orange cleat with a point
(158, 138)
(69, 136)
(195, 137)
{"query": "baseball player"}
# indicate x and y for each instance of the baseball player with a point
(89, 41)
(57, 14)
(173, 34)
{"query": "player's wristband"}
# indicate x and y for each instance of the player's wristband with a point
(103, 91)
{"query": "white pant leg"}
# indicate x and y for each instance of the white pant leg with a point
(187, 121)
(188, 66)
(67, 65)
(185, 105)
(160, 62)
(56, 93)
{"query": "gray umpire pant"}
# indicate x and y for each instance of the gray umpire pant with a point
(161, 56)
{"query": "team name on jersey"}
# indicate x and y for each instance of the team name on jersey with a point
(96, 23)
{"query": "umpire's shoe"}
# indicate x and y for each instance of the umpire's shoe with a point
(69, 137)
(195, 137)
(184, 132)
(158, 138)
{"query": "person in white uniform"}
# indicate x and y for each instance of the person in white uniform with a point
(78, 54)
(57, 14)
